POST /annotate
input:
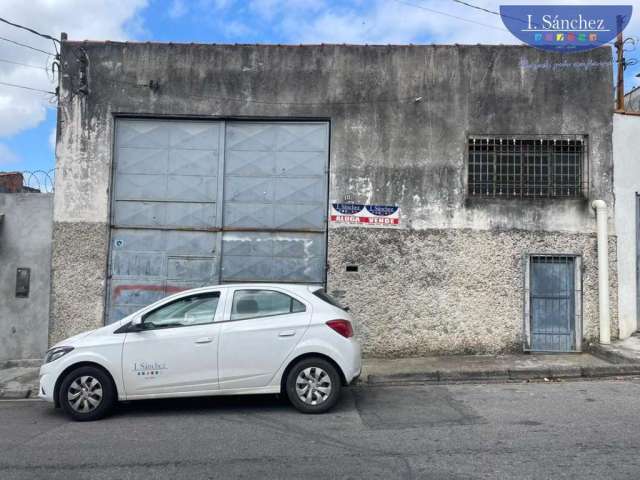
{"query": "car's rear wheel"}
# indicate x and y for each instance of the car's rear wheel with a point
(87, 393)
(313, 385)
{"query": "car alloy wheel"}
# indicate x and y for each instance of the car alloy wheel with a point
(84, 394)
(313, 386)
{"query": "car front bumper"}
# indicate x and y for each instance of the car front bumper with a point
(47, 384)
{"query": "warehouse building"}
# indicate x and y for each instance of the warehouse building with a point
(443, 193)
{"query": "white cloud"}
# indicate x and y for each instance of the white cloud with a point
(392, 21)
(52, 139)
(178, 9)
(7, 157)
(81, 19)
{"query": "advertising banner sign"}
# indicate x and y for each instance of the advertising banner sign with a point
(566, 28)
(365, 215)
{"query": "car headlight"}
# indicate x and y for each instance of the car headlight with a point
(56, 353)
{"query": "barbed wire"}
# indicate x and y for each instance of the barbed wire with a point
(38, 181)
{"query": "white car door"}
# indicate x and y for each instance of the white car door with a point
(175, 349)
(261, 327)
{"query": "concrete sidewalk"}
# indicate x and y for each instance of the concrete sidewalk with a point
(491, 368)
(622, 351)
(19, 379)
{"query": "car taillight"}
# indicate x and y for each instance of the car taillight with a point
(343, 327)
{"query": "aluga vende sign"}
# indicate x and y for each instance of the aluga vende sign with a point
(566, 28)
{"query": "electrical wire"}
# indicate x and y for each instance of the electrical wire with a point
(422, 7)
(31, 30)
(486, 10)
(23, 64)
(26, 46)
(26, 88)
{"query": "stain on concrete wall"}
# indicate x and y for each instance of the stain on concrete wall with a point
(386, 148)
(25, 242)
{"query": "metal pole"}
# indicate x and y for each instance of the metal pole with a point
(620, 51)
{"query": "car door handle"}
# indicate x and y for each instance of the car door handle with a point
(287, 333)
(204, 340)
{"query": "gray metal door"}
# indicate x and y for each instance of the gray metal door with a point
(275, 202)
(552, 304)
(199, 202)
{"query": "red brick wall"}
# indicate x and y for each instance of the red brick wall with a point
(10, 182)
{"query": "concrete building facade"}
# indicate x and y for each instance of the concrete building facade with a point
(25, 274)
(482, 162)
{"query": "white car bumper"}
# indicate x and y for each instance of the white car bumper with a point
(47, 383)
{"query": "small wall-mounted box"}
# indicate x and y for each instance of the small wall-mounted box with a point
(23, 278)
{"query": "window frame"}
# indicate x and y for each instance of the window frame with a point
(144, 315)
(231, 295)
(584, 178)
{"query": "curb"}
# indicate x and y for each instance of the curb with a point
(516, 374)
(611, 356)
(15, 394)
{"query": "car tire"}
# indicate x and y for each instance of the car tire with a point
(87, 394)
(313, 385)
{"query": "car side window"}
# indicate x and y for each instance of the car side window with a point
(184, 312)
(263, 303)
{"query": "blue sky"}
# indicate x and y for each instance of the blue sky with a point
(27, 119)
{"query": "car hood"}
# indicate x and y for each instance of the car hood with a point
(74, 340)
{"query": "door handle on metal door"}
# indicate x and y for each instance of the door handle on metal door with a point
(204, 340)
(287, 333)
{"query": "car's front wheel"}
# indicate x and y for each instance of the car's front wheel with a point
(313, 385)
(86, 393)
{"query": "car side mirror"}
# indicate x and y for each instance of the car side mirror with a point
(136, 324)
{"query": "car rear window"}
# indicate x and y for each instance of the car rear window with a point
(323, 295)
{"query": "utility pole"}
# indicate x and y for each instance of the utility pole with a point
(620, 51)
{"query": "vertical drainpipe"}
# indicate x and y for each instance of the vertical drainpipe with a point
(603, 270)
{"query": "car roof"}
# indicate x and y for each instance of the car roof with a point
(300, 287)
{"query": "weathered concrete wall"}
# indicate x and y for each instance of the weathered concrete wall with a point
(454, 290)
(626, 131)
(385, 147)
(25, 241)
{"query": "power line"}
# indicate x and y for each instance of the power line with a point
(422, 7)
(26, 46)
(31, 30)
(23, 64)
(477, 7)
(486, 10)
(26, 88)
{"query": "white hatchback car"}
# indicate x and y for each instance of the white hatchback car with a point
(220, 340)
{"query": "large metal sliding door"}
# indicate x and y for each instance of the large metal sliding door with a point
(199, 202)
(275, 202)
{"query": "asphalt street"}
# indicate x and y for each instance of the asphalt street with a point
(588, 429)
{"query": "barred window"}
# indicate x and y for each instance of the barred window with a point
(527, 167)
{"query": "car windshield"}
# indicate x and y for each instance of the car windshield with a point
(323, 295)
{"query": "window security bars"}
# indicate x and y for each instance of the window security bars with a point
(527, 167)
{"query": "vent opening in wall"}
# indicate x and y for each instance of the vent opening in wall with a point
(352, 268)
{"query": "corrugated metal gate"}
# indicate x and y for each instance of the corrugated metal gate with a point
(553, 291)
(201, 202)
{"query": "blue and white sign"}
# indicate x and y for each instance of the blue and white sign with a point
(566, 28)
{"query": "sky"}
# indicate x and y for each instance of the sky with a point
(28, 118)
